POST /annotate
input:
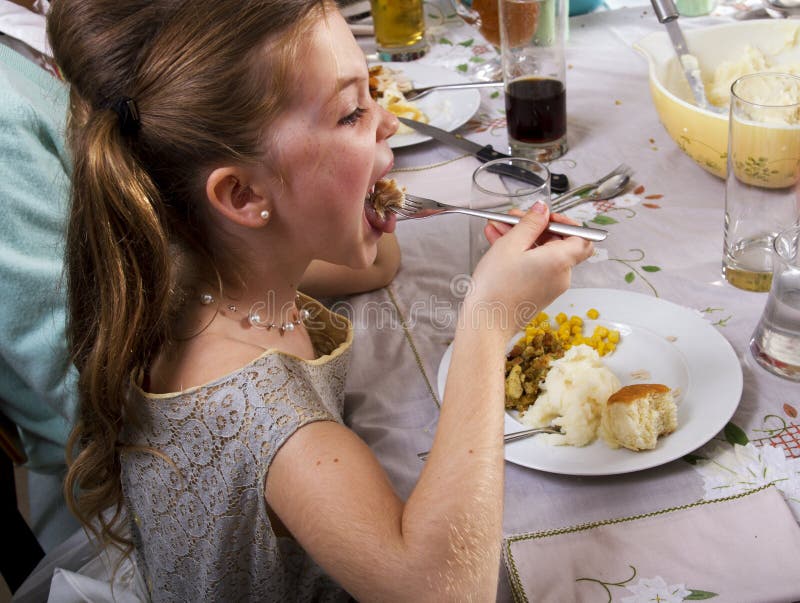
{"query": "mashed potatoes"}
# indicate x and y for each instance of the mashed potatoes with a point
(575, 392)
(718, 89)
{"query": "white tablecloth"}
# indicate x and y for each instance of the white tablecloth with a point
(665, 240)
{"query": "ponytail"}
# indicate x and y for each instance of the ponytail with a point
(207, 83)
(119, 290)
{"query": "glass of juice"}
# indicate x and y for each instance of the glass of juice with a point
(534, 76)
(483, 14)
(399, 29)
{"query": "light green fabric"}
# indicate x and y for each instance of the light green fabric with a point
(37, 382)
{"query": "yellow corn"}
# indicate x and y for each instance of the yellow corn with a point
(569, 332)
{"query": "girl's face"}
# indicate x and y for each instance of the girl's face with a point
(331, 147)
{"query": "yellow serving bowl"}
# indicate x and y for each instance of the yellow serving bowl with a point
(700, 133)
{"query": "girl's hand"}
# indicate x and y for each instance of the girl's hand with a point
(495, 230)
(526, 267)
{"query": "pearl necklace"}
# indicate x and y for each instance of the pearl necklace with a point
(255, 319)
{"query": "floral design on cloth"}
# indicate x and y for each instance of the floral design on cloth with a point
(729, 469)
(636, 256)
(647, 590)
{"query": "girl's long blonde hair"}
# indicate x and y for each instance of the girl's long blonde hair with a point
(207, 78)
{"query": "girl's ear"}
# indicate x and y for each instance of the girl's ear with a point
(230, 192)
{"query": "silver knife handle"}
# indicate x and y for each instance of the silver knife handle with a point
(665, 10)
(568, 230)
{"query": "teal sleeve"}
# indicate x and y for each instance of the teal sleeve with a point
(37, 381)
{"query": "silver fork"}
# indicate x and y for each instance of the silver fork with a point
(420, 207)
(510, 437)
(418, 93)
(622, 168)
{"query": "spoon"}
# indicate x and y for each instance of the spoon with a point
(607, 190)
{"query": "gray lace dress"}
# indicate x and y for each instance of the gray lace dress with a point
(196, 499)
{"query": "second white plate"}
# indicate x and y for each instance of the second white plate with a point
(447, 110)
(661, 342)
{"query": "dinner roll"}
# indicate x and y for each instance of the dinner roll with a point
(636, 415)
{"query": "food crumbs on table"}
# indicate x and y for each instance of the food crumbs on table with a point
(638, 190)
(640, 374)
(654, 196)
(652, 140)
(617, 102)
(671, 338)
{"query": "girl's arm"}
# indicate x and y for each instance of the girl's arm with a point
(323, 279)
(443, 543)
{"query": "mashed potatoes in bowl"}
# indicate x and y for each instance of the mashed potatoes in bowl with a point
(724, 52)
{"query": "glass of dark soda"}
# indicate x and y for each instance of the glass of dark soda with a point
(534, 77)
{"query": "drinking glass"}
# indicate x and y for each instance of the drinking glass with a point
(482, 14)
(763, 170)
(492, 191)
(399, 29)
(776, 341)
(532, 40)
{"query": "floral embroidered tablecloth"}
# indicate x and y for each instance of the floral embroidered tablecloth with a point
(665, 241)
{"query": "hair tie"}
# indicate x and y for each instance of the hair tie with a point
(128, 115)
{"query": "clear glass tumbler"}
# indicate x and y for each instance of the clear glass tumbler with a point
(399, 29)
(532, 40)
(498, 192)
(761, 196)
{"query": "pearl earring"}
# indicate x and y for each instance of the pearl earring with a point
(265, 215)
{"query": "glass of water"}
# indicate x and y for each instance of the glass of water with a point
(495, 188)
(776, 341)
(763, 172)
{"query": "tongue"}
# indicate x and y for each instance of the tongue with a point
(386, 224)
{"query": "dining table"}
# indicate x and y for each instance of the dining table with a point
(715, 520)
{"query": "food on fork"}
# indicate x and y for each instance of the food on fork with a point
(386, 194)
(636, 415)
(574, 393)
(387, 86)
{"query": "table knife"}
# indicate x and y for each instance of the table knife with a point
(558, 182)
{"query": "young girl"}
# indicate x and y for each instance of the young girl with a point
(219, 149)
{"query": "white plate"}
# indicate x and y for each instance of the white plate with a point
(447, 110)
(676, 346)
